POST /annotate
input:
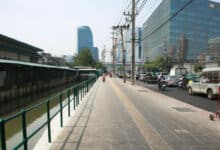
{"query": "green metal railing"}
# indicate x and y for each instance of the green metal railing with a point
(77, 92)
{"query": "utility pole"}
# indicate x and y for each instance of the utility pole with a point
(114, 42)
(123, 54)
(103, 55)
(121, 28)
(113, 51)
(133, 15)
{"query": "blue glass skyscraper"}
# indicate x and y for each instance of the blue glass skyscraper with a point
(189, 30)
(85, 40)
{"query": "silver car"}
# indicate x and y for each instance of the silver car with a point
(171, 80)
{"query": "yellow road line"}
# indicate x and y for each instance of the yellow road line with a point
(152, 137)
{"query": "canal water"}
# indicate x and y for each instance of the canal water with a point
(34, 119)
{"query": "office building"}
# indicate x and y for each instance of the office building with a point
(85, 41)
(84, 38)
(180, 32)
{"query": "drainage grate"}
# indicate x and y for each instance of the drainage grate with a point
(181, 131)
(142, 91)
(183, 109)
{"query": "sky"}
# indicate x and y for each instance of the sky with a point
(51, 24)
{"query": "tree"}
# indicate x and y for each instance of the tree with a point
(198, 67)
(84, 58)
(159, 64)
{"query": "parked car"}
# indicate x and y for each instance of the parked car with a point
(171, 80)
(142, 77)
(137, 76)
(128, 75)
(208, 84)
(120, 75)
(151, 77)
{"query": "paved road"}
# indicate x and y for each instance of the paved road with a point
(200, 101)
(180, 125)
(117, 116)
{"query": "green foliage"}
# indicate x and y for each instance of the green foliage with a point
(84, 58)
(98, 65)
(120, 68)
(159, 64)
(198, 67)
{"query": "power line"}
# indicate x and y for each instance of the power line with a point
(122, 8)
(141, 6)
(168, 19)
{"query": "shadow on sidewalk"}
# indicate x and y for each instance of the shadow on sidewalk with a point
(75, 131)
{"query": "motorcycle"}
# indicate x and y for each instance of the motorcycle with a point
(182, 82)
(103, 77)
(162, 85)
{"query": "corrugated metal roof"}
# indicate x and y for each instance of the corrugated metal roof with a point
(22, 44)
(3, 61)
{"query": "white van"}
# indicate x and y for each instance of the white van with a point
(208, 84)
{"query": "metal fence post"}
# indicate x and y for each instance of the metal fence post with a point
(81, 92)
(61, 110)
(83, 89)
(48, 121)
(69, 103)
(2, 130)
(74, 98)
(24, 129)
(77, 95)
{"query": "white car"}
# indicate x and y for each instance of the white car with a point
(142, 77)
(209, 83)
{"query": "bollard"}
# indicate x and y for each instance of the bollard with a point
(69, 103)
(61, 111)
(48, 121)
(24, 129)
(2, 130)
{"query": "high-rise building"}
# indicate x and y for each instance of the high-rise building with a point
(95, 53)
(181, 33)
(85, 40)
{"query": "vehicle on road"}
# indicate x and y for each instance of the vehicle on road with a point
(137, 76)
(162, 83)
(151, 77)
(161, 73)
(142, 77)
(171, 80)
(120, 75)
(209, 83)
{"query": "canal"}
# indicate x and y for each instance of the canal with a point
(34, 119)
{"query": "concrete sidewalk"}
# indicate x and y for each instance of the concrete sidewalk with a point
(101, 123)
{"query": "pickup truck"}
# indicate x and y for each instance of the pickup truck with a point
(208, 84)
